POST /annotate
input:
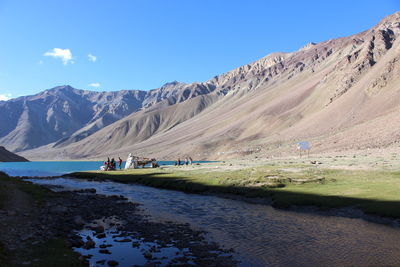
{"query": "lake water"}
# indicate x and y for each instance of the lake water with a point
(54, 168)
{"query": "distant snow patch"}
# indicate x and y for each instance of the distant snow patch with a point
(5, 97)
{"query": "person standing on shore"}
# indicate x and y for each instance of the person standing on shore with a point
(112, 166)
(108, 164)
(190, 160)
(120, 163)
(179, 161)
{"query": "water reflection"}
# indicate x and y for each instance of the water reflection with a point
(127, 250)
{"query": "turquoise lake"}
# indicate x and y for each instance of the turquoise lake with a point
(54, 168)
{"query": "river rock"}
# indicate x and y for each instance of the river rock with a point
(77, 243)
(124, 240)
(58, 209)
(90, 244)
(105, 246)
(99, 229)
(148, 255)
(112, 263)
(78, 220)
(104, 251)
(102, 235)
(26, 237)
(11, 213)
(83, 260)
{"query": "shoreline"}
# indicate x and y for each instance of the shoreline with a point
(282, 185)
(347, 212)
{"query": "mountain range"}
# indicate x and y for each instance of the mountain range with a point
(341, 94)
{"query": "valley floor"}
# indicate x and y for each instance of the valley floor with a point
(369, 181)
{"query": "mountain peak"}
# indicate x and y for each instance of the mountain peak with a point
(173, 83)
(308, 46)
(390, 22)
(62, 88)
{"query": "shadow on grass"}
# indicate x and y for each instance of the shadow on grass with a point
(282, 198)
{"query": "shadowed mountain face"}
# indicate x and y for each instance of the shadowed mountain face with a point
(7, 156)
(339, 94)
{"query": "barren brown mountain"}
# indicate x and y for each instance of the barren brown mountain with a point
(339, 94)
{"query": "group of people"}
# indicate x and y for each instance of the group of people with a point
(134, 162)
(111, 165)
(187, 161)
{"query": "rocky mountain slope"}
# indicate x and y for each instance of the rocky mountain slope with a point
(65, 115)
(7, 156)
(60, 112)
(339, 94)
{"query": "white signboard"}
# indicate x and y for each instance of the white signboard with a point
(303, 145)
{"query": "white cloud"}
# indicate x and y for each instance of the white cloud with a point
(92, 58)
(40, 62)
(94, 85)
(64, 54)
(5, 97)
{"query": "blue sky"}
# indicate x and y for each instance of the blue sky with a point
(144, 44)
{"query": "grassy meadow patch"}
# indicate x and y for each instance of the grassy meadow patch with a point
(373, 191)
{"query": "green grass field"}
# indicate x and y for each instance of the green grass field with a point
(373, 191)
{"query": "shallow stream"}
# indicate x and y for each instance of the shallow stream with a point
(260, 234)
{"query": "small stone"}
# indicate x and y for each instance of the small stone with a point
(82, 259)
(102, 235)
(58, 209)
(26, 237)
(104, 251)
(78, 220)
(112, 263)
(11, 213)
(77, 243)
(90, 244)
(99, 229)
(148, 255)
(124, 240)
